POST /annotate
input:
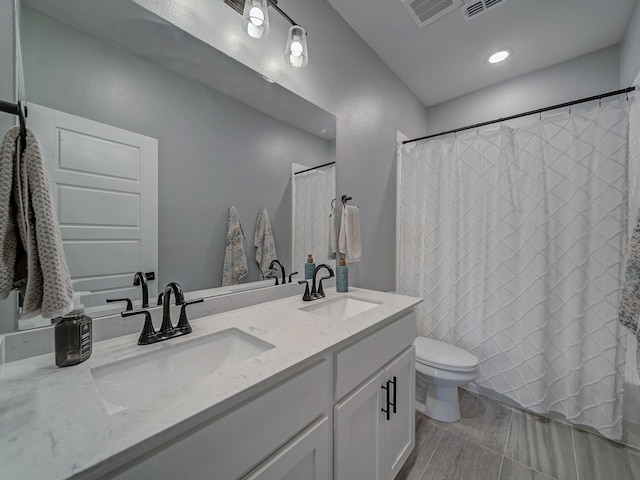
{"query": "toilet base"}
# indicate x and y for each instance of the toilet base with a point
(441, 404)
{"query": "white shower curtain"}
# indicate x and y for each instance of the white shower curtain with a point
(312, 192)
(514, 238)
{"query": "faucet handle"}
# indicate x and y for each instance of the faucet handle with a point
(320, 293)
(183, 323)
(160, 297)
(306, 297)
(273, 275)
(291, 275)
(148, 334)
(128, 300)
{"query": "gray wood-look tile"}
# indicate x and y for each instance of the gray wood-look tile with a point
(428, 435)
(599, 458)
(543, 444)
(457, 458)
(516, 471)
(483, 421)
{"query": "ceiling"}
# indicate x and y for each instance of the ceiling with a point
(447, 58)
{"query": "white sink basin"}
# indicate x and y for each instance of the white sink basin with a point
(148, 378)
(340, 308)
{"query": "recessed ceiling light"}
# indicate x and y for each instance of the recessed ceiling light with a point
(499, 56)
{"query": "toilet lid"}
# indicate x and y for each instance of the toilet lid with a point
(439, 354)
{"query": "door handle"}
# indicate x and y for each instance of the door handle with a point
(395, 389)
(387, 410)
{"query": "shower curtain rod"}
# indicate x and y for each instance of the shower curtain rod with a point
(315, 168)
(532, 112)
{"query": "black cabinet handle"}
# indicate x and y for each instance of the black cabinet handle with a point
(395, 389)
(387, 410)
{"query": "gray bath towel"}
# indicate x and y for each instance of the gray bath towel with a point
(31, 255)
(265, 245)
(235, 258)
(629, 307)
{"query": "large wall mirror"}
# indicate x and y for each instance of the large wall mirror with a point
(226, 136)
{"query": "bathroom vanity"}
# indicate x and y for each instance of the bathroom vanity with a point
(281, 390)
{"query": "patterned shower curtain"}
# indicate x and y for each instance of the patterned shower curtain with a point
(515, 239)
(312, 193)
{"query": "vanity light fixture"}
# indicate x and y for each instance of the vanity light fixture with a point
(255, 22)
(499, 56)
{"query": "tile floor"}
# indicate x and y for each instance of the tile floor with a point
(493, 441)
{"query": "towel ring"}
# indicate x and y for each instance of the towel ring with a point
(345, 199)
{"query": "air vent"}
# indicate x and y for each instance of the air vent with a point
(473, 9)
(425, 12)
(237, 5)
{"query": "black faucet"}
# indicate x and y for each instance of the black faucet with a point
(167, 328)
(284, 276)
(140, 278)
(319, 293)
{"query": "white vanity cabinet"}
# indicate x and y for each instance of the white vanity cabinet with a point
(370, 444)
(284, 431)
(304, 458)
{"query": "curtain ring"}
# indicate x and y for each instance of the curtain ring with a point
(540, 116)
(627, 94)
(599, 102)
(569, 109)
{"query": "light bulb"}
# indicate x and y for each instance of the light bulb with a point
(256, 16)
(499, 56)
(296, 48)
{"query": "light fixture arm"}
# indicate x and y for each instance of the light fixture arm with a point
(274, 4)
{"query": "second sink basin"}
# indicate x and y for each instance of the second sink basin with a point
(341, 308)
(146, 378)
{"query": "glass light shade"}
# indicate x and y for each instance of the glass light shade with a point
(255, 18)
(296, 53)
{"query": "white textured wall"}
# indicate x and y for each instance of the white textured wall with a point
(584, 76)
(345, 77)
(630, 50)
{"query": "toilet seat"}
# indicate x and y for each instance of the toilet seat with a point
(442, 355)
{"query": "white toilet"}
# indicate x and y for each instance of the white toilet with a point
(440, 369)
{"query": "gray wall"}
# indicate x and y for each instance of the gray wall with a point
(584, 76)
(213, 151)
(345, 77)
(630, 50)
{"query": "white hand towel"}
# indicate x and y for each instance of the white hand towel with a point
(235, 259)
(32, 257)
(349, 242)
(265, 245)
(629, 306)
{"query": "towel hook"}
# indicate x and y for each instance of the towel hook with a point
(333, 203)
(22, 114)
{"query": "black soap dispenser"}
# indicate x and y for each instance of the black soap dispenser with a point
(73, 336)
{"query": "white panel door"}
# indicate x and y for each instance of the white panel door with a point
(399, 435)
(105, 182)
(358, 433)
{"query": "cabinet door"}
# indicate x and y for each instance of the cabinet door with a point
(304, 458)
(358, 433)
(399, 431)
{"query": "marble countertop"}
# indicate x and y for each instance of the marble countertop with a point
(54, 424)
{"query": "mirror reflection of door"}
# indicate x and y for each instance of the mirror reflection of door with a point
(314, 212)
(105, 183)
